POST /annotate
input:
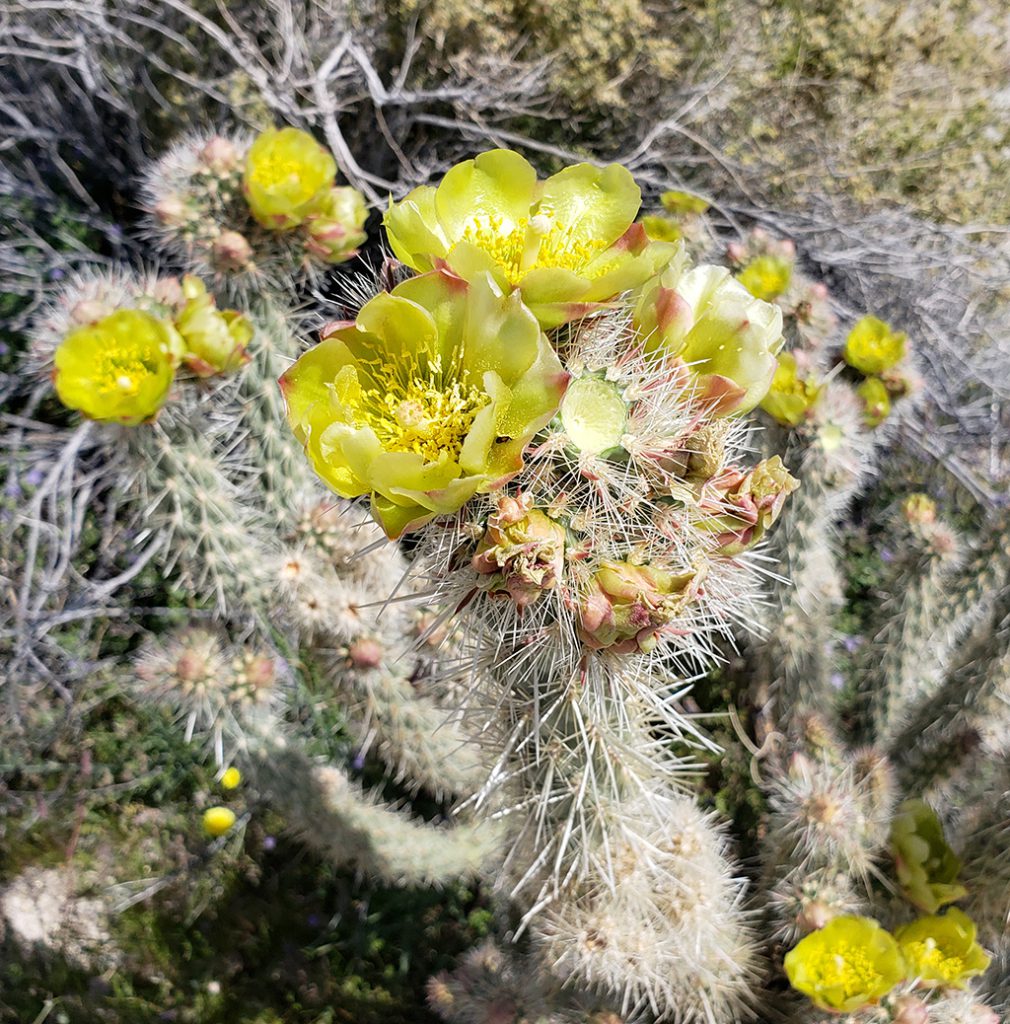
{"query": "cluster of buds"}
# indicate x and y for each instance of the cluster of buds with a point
(745, 504)
(214, 688)
(521, 553)
(625, 607)
(238, 205)
(116, 361)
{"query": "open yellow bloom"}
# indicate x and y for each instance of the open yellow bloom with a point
(568, 243)
(711, 322)
(286, 174)
(941, 950)
(791, 394)
(848, 964)
(215, 340)
(872, 347)
(430, 396)
(119, 369)
(766, 277)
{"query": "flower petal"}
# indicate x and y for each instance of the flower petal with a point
(499, 183)
(596, 204)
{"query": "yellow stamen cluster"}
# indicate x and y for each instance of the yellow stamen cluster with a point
(530, 244)
(274, 168)
(928, 955)
(414, 408)
(844, 966)
(119, 372)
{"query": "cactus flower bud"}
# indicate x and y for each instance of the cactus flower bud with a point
(748, 504)
(365, 653)
(231, 251)
(90, 311)
(876, 401)
(815, 914)
(910, 1010)
(521, 553)
(171, 211)
(919, 510)
(219, 155)
(626, 606)
(218, 820)
(926, 866)
(216, 341)
(335, 225)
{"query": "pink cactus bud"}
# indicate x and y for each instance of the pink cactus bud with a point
(231, 251)
(910, 1010)
(171, 211)
(168, 291)
(365, 653)
(90, 311)
(219, 155)
(814, 915)
(735, 252)
(260, 671)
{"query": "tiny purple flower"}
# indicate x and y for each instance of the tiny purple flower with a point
(269, 843)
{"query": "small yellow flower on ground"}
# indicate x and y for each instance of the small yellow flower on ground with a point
(218, 820)
(847, 965)
(231, 779)
(119, 369)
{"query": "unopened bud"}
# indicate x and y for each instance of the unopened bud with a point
(167, 291)
(171, 211)
(231, 251)
(910, 1010)
(90, 311)
(814, 915)
(219, 155)
(365, 653)
(919, 509)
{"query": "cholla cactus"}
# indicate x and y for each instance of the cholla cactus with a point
(253, 211)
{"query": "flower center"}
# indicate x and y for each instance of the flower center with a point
(531, 244)
(928, 956)
(121, 373)
(845, 967)
(273, 169)
(415, 409)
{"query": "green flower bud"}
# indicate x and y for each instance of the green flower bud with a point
(926, 866)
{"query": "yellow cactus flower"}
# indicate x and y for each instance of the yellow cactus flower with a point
(712, 323)
(662, 229)
(876, 401)
(231, 779)
(941, 950)
(791, 395)
(683, 203)
(872, 347)
(847, 965)
(926, 866)
(428, 398)
(567, 244)
(766, 277)
(335, 226)
(287, 173)
(218, 820)
(215, 340)
(119, 369)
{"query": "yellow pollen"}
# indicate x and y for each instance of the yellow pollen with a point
(415, 409)
(846, 967)
(121, 372)
(272, 169)
(927, 954)
(530, 244)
